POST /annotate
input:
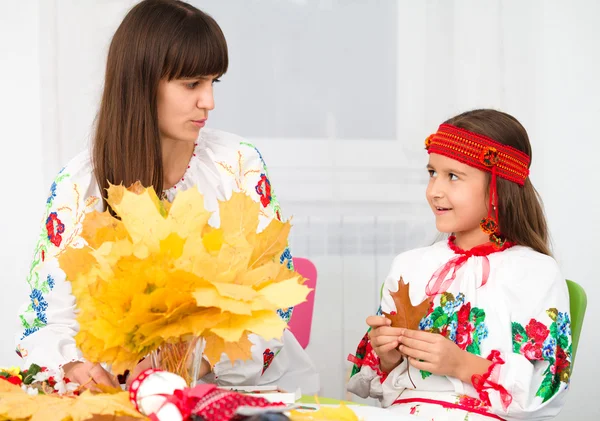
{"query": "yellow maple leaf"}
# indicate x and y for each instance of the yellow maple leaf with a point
(21, 406)
(286, 293)
(340, 413)
(239, 215)
(270, 243)
(264, 323)
(216, 346)
(99, 227)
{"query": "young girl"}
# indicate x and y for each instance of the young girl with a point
(158, 92)
(496, 340)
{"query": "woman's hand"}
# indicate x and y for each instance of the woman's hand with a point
(88, 374)
(385, 341)
(435, 353)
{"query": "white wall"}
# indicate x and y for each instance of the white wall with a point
(21, 160)
(340, 112)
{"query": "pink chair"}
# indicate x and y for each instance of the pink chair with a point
(302, 315)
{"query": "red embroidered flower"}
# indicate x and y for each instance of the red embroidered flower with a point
(532, 351)
(55, 228)
(537, 331)
(470, 402)
(518, 338)
(489, 156)
(464, 328)
(263, 188)
(13, 379)
(268, 356)
(562, 363)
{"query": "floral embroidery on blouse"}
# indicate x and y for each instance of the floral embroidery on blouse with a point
(52, 241)
(537, 342)
(470, 402)
(263, 189)
(274, 203)
(268, 356)
(287, 256)
(457, 321)
(361, 351)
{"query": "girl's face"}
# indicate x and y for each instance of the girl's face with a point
(457, 194)
(183, 106)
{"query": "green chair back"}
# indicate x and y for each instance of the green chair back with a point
(578, 303)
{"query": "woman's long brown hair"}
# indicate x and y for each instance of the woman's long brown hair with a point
(521, 214)
(158, 39)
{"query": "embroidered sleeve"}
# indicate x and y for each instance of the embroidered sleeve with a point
(530, 379)
(549, 345)
(47, 318)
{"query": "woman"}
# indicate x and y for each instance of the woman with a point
(162, 63)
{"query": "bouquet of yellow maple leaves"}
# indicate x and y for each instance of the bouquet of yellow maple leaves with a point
(157, 273)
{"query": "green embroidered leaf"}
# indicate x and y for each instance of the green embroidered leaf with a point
(44, 288)
(516, 347)
(563, 341)
(24, 322)
(440, 321)
(437, 313)
(554, 330)
(30, 308)
(446, 297)
(551, 362)
(477, 315)
(31, 372)
(474, 348)
(548, 388)
(518, 330)
(38, 323)
(425, 374)
(36, 282)
(453, 318)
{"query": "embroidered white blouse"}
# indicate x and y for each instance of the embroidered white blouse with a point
(221, 163)
(509, 306)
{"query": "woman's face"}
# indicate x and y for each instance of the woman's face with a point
(183, 106)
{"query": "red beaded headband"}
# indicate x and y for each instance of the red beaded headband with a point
(485, 154)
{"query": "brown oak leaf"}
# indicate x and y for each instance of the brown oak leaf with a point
(406, 315)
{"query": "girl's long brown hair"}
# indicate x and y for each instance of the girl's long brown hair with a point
(158, 39)
(520, 213)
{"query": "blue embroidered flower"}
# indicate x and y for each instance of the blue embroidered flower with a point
(52, 192)
(549, 349)
(285, 314)
(451, 306)
(563, 323)
(426, 323)
(481, 332)
(50, 281)
(38, 301)
(29, 331)
(286, 255)
(42, 318)
(452, 330)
